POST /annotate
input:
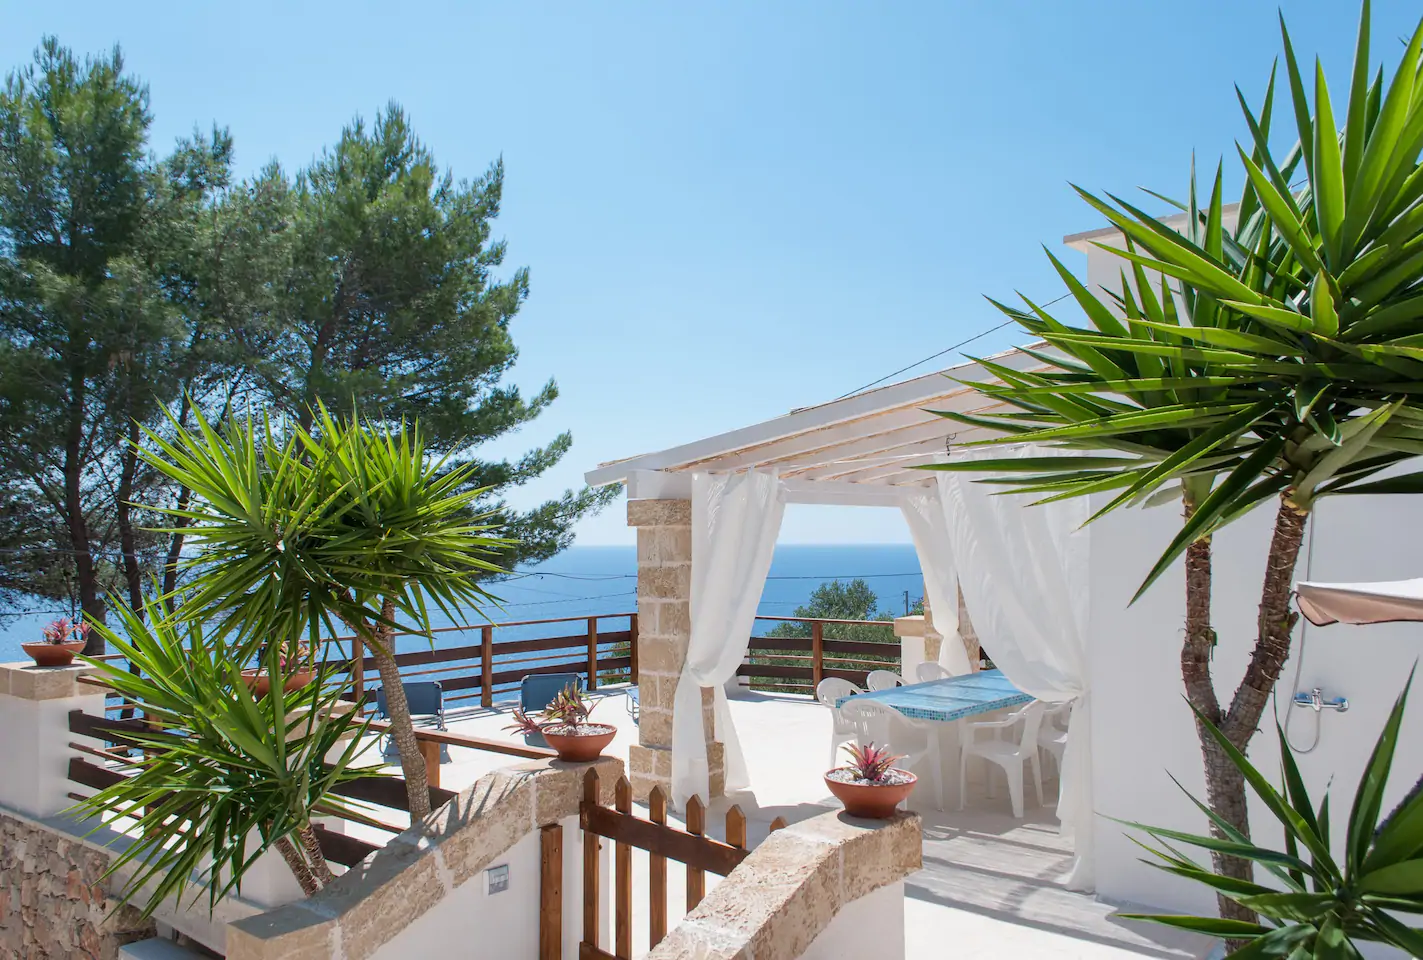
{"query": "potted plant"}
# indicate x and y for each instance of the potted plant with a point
(63, 638)
(294, 667)
(564, 724)
(871, 786)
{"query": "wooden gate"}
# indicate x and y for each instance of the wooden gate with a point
(698, 853)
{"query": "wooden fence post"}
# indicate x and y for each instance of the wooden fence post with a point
(551, 892)
(590, 864)
(486, 665)
(657, 874)
(430, 750)
(696, 878)
(817, 653)
(592, 653)
(632, 648)
(736, 828)
(623, 878)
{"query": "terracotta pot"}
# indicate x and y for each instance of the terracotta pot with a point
(581, 747)
(53, 654)
(261, 684)
(873, 801)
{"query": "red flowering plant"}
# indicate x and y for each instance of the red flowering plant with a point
(871, 764)
(568, 713)
(65, 630)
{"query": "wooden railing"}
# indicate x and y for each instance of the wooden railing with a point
(480, 671)
(698, 853)
(389, 792)
(798, 664)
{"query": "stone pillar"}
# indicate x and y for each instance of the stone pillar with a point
(664, 628)
(910, 631)
(970, 636)
(34, 751)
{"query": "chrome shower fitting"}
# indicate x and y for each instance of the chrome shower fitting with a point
(1316, 701)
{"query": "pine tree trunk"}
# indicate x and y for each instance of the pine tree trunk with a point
(402, 730)
(75, 518)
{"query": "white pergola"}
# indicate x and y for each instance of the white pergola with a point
(700, 587)
(856, 451)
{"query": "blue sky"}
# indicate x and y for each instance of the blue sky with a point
(733, 209)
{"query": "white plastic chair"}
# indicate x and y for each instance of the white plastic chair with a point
(881, 724)
(1006, 754)
(1052, 735)
(883, 680)
(929, 671)
(841, 730)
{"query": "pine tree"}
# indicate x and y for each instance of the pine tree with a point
(390, 303)
(88, 336)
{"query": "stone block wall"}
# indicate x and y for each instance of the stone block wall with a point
(53, 903)
(383, 908)
(783, 901)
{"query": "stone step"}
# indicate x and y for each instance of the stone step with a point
(158, 949)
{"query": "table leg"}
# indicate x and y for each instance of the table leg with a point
(949, 736)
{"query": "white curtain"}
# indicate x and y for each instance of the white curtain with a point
(1024, 571)
(735, 521)
(924, 513)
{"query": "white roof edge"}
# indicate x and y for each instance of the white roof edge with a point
(1083, 241)
(904, 393)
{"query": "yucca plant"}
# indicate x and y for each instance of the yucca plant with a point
(870, 763)
(1318, 905)
(300, 530)
(1282, 361)
(224, 777)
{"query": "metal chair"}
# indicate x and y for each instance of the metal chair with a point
(634, 704)
(426, 702)
(538, 690)
(883, 680)
(830, 690)
(929, 671)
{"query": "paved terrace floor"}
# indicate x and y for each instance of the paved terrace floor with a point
(991, 887)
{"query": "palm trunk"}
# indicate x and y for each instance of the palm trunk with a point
(402, 730)
(1275, 626)
(299, 867)
(1223, 782)
(1225, 786)
(314, 857)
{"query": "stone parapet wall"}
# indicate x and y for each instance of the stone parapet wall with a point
(364, 910)
(53, 902)
(779, 901)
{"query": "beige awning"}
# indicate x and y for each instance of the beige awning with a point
(1326, 603)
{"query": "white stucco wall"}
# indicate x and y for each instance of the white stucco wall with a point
(505, 925)
(1141, 726)
(870, 927)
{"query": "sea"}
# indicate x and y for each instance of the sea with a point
(586, 580)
